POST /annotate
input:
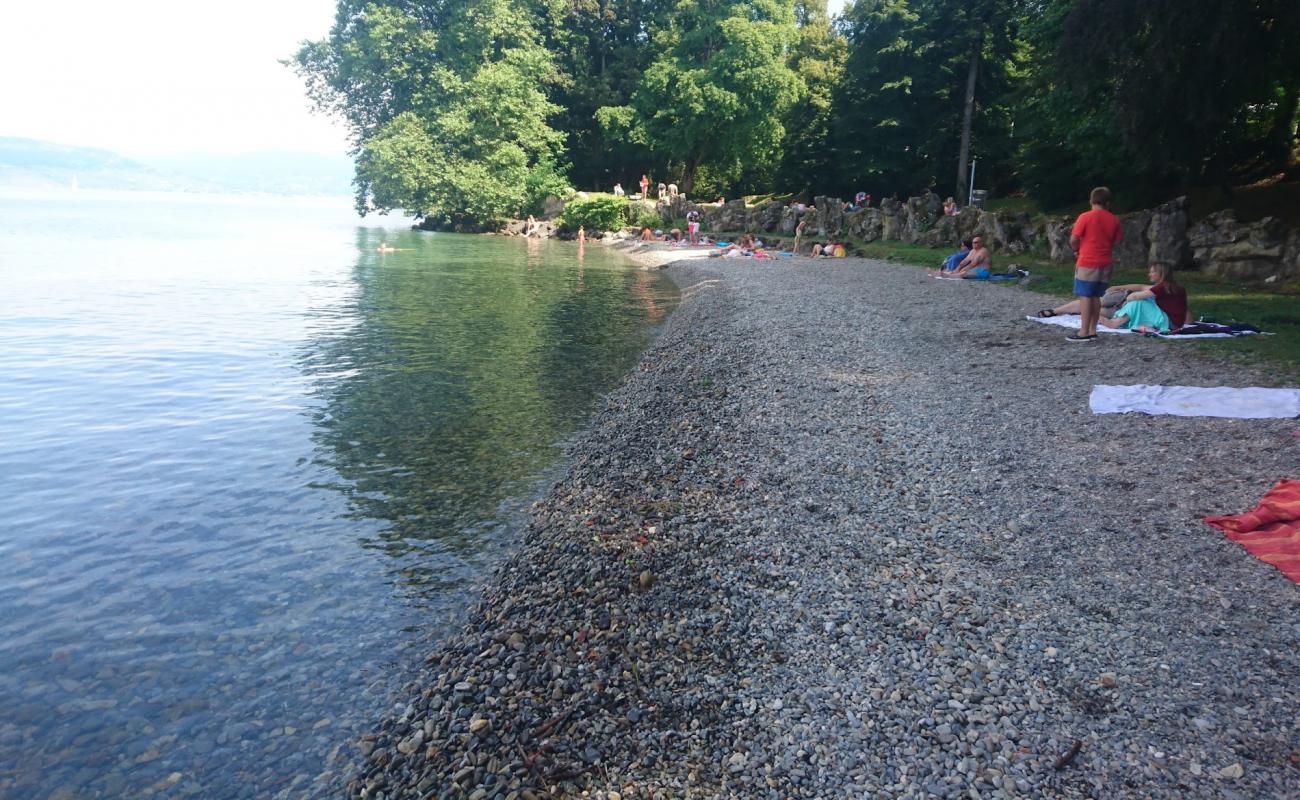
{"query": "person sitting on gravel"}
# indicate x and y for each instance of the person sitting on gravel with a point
(1168, 295)
(976, 266)
(951, 262)
(674, 236)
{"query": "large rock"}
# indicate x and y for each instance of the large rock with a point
(992, 229)
(789, 219)
(893, 219)
(731, 217)
(1167, 234)
(829, 219)
(766, 217)
(933, 206)
(915, 220)
(552, 207)
(1221, 245)
(1132, 249)
(944, 233)
(867, 224)
(1057, 232)
(1289, 268)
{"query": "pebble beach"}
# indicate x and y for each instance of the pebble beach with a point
(848, 531)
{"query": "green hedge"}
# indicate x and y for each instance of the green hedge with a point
(596, 214)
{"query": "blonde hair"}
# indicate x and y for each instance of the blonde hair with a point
(1166, 272)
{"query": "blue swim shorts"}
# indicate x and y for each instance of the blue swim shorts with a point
(1091, 281)
(982, 273)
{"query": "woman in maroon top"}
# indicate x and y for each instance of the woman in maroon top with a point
(1168, 294)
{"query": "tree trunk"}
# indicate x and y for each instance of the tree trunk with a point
(688, 176)
(1282, 139)
(968, 117)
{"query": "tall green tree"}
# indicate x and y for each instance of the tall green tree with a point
(717, 92)
(445, 102)
(601, 49)
(818, 59)
(917, 73)
(1158, 95)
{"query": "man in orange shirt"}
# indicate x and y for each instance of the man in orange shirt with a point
(1095, 233)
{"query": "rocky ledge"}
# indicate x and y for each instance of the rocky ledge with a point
(849, 531)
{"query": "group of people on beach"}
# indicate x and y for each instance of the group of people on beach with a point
(1159, 306)
(667, 191)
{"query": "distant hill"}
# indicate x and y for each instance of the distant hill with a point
(37, 164)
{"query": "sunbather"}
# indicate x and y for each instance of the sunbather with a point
(1166, 293)
(828, 250)
(951, 262)
(977, 265)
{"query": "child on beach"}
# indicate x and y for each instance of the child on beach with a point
(1095, 234)
(1168, 296)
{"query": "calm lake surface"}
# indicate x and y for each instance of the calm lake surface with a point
(251, 466)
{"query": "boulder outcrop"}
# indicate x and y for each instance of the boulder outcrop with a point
(1218, 244)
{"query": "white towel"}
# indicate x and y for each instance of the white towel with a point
(1071, 321)
(1196, 401)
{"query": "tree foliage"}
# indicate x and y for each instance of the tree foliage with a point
(446, 103)
(468, 111)
(599, 213)
(717, 93)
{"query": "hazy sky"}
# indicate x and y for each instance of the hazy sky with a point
(162, 76)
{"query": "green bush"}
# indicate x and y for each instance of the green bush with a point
(640, 216)
(600, 213)
(545, 178)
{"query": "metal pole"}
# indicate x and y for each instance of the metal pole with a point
(969, 199)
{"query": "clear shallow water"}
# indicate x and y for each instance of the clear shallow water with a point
(250, 464)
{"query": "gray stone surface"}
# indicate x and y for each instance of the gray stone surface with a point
(851, 532)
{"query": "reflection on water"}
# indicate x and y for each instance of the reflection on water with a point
(250, 463)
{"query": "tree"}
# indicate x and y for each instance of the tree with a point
(818, 59)
(601, 49)
(445, 102)
(1169, 92)
(716, 94)
(915, 71)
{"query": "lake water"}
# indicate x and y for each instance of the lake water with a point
(251, 466)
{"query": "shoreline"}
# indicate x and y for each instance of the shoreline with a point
(846, 531)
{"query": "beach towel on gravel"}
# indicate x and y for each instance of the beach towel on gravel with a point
(1271, 532)
(1196, 401)
(1071, 321)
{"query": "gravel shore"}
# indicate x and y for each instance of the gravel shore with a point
(848, 531)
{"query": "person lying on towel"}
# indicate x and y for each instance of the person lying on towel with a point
(1166, 294)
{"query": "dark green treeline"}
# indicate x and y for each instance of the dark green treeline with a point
(471, 111)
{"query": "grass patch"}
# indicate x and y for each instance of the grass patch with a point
(1274, 308)
(759, 199)
(1016, 204)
